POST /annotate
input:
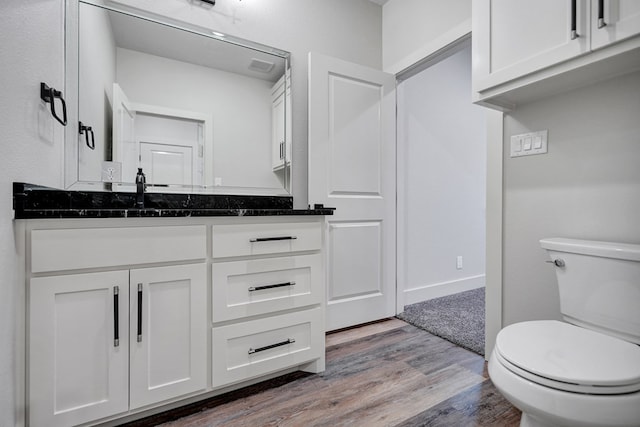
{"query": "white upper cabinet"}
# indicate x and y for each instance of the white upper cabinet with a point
(281, 128)
(614, 20)
(517, 37)
(525, 49)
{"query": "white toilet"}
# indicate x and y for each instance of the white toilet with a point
(585, 372)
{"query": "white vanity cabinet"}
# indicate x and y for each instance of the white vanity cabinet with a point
(129, 315)
(525, 49)
(103, 343)
(268, 291)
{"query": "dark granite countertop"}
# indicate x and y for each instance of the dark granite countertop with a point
(33, 201)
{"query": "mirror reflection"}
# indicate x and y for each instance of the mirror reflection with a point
(188, 108)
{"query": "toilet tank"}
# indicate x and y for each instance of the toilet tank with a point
(599, 285)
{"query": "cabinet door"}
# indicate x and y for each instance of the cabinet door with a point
(288, 128)
(518, 37)
(77, 370)
(168, 333)
(278, 131)
(613, 20)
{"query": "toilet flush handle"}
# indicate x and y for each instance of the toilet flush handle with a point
(558, 262)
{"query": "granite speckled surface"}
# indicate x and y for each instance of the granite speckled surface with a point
(33, 201)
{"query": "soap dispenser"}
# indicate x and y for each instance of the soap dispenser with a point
(140, 184)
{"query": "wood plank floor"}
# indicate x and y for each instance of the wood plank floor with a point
(383, 374)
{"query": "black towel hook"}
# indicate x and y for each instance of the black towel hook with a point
(49, 94)
(86, 130)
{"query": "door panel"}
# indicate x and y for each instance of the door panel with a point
(354, 247)
(355, 137)
(166, 164)
(352, 168)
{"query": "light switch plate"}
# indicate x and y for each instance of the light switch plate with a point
(528, 144)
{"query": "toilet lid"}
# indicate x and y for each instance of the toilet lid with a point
(572, 355)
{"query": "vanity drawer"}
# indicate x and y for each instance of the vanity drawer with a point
(70, 249)
(249, 349)
(261, 239)
(260, 286)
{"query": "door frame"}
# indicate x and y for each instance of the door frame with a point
(207, 122)
(494, 200)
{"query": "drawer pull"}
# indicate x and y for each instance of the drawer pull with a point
(268, 347)
(574, 29)
(139, 312)
(277, 285)
(271, 239)
(116, 316)
(601, 21)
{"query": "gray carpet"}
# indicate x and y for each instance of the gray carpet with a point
(458, 318)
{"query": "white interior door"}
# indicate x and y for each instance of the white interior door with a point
(125, 149)
(166, 164)
(352, 167)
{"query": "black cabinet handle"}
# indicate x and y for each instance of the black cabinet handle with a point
(116, 316)
(601, 23)
(49, 94)
(268, 347)
(270, 239)
(277, 285)
(86, 130)
(139, 312)
(574, 20)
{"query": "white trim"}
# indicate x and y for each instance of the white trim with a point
(494, 206)
(429, 49)
(437, 53)
(401, 255)
(206, 119)
(437, 290)
(493, 271)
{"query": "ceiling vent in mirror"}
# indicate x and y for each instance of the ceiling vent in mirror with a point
(260, 65)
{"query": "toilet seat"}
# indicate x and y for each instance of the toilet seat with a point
(569, 358)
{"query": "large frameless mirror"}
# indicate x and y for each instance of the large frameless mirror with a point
(198, 111)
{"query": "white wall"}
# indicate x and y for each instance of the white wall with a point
(239, 106)
(587, 186)
(349, 30)
(415, 29)
(31, 48)
(441, 181)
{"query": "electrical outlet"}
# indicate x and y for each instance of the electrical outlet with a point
(111, 172)
(459, 262)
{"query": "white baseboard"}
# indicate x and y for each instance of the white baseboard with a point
(436, 290)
